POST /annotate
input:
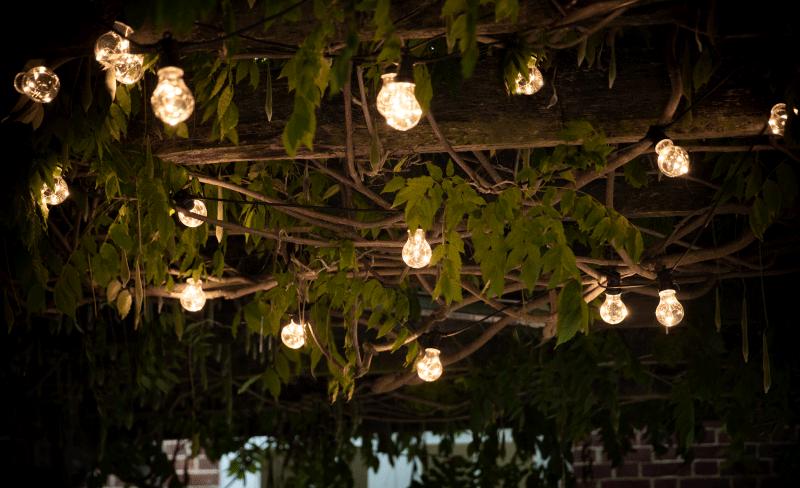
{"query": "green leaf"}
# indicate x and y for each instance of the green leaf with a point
(273, 383)
(224, 101)
(395, 184)
(119, 234)
(124, 301)
(268, 103)
(385, 329)
(112, 290)
(247, 384)
(573, 312)
(401, 339)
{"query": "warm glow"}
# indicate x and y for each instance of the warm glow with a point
(397, 102)
(293, 335)
(193, 297)
(417, 252)
(672, 160)
(113, 52)
(198, 208)
(669, 311)
(777, 119)
(172, 101)
(128, 68)
(39, 83)
(532, 83)
(429, 368)
(57, 194)
(613, 311)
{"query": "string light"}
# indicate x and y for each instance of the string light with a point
(293, 335)
(57, 194)
(417, 252)
(613, 310)
(532, 83)
(777, 119)
(172, 100)
(429, 368)
(113, 52)
(672, 160)
(669, 311)
(199, 208)
(40, 84)
(396, 100)
(193, 297)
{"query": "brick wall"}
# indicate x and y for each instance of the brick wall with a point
(203, 473)
(642, 468)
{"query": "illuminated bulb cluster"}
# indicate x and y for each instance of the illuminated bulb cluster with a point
(417, 252)
(672, 160)
(532, 83)
(777, 119)
(429, 368)
(613, 311)
(398, 104)
(198, 208)
(57, 194)
(293, 335)
(172, 101)
(193, 297)
(39, 83)
(669, 311)
(113, 52)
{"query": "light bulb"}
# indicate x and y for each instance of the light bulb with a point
(193, 297)
(672, 160)
(57, 194)
(128, 68)
(39, 83)
(613, 310)
(532, 83)
(172, 101)
(669, 311)
(777, 119)
(417, 252)
(293, 335)
(111, 44)
(397, 102)
(198, 208)
(429, 368)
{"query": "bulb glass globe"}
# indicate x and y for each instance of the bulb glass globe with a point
(777, 119)
(429, 368)
(39, 83)
(533, 83)
(172, 101)
(111, 44)
(193, 297)
(128, 68)
(669, 311)
(57, 194)
(672, 160)
(398, 104)
(293, 335)
(613, 310)
(417, 252)
(199, 208)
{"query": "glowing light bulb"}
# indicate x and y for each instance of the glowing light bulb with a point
(39, 83)
(672, 160)
(669, 311)
(417, 252)
(613, 311)
(113, 52)
(128, 68)
(57, 194)
(777, 119)
(172, 101)
(198, 208)
(293, 335)
(429, 368)
(193, 297)
(534, 81)
(398, 104)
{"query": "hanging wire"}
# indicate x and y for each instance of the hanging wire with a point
(297, 205)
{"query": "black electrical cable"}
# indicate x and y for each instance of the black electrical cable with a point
(297, 205)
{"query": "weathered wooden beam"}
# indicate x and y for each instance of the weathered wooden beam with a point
(482, 116)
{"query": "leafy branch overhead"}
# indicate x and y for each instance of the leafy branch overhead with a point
(308, 199)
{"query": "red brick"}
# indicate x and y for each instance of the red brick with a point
(626, 484)
(668, 483)
(627, 470)
(644, 453)
(705, 483)
(597, 471)
(709, 452)
(711, 436)
(747, 468)
(653, 470)
(745, 483)
(588, 484)
(723, 437)
(706, 468)
(204, 479)
(205, 463)
(771, 450)
(772, 482)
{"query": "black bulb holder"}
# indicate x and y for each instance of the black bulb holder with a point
(405, 72)
(665, 280)
(656, 134)
(613, 282)
(433, 339)
(168, 51)
(183, 199)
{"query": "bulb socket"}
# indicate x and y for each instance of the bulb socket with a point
(433, 339)
(655, 134)
(183, 199)
(168, 51)
(405, 72)
(613, 282)
(665, 280)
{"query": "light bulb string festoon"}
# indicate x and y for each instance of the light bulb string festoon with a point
(298, 205)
